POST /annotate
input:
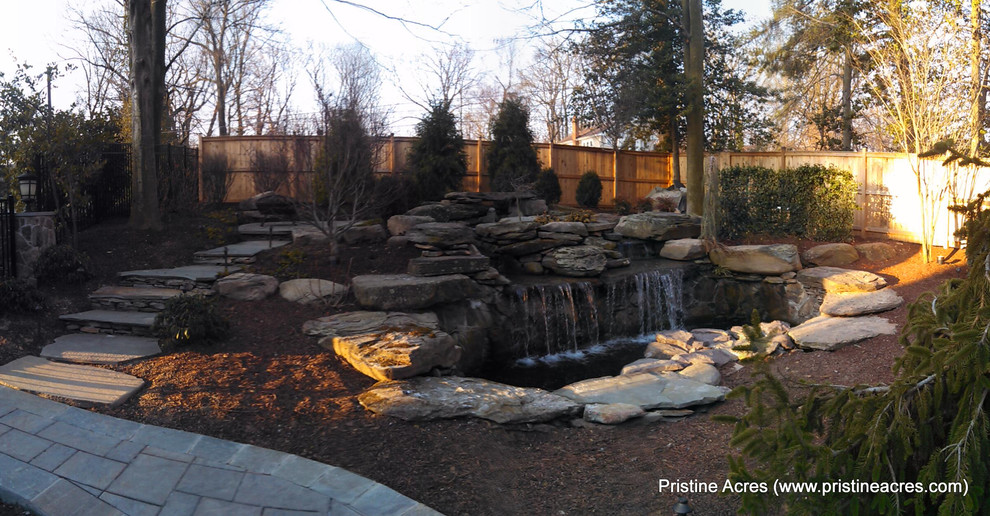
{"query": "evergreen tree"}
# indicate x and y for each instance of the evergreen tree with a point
(437, 158)
(512, 160)
(929, 425)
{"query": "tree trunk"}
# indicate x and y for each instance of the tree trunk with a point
(147, 59)
(675, 152)
(694, 66)
(979, 91)
(847, 75)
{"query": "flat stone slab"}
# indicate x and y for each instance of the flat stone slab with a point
(199, 273)
(769, 260)
(146, 293)
(645, 390)
(143, 319)
(278, 230)
(852, 304)
(429, 397)
(405, 292)
(831, 333)
(241, 249)
(76, 382)
(835, 279)
(441, 265)
(88, 348)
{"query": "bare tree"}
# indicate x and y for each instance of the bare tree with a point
(918, 91)
(352, 126)
(549, 83)
(446, 76)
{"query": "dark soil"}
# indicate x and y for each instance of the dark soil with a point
(271, 386)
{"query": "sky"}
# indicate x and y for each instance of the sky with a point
(38, 32)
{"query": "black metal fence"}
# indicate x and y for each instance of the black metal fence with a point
(107, 194)
(8, 258)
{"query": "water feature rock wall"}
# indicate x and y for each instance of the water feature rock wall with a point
(561, 316)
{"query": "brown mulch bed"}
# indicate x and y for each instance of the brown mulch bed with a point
(271, 386)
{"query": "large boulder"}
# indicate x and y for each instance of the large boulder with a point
(645, 390)
(834, 279)
(659, 226)
(405, 292)
(447, 211)
(401, 224)
(428, 398)
(244, 286)
(831, 333)
(685, 249)
(310, 290)
(876, 251)
(364, 232)
(578, 261)
(441, 234)
(768, 260)
(397, 353)
(666, 199)
(361, 322)
(852, 304)
(831, 255)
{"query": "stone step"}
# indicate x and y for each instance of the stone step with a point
(88, 348)
(191, 278)
(110, 321)
(82, 383)
(267, 230)
(139, 299)
(241, 252)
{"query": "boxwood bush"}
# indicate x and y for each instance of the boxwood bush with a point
(589, 190)
(811, 201)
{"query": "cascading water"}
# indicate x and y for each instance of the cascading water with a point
(569, 317)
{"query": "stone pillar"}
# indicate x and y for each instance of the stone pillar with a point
(35, 233)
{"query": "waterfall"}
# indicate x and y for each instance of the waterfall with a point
(568, 317)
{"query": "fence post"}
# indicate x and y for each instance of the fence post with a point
(481, 166)
(865, 199)
(11, 230)
(391, 158)
(615, 174)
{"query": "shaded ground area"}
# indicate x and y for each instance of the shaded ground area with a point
(271, 386)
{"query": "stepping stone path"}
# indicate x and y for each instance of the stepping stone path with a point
(100, 348)
(77, 382)
(56, 459)
(239, 253)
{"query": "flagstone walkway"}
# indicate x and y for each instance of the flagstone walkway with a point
(59, 460)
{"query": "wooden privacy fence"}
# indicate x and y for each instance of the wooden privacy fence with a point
(888, 191)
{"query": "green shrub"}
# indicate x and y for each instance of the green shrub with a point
(188, 320)
(62, 264)
(17, 295)
(548, 186)
(394, 195)
(589, 190)
(512, 160)
(812, 201)
(437, 157)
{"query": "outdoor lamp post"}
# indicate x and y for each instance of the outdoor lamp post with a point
(682, 507)
(28, 184)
